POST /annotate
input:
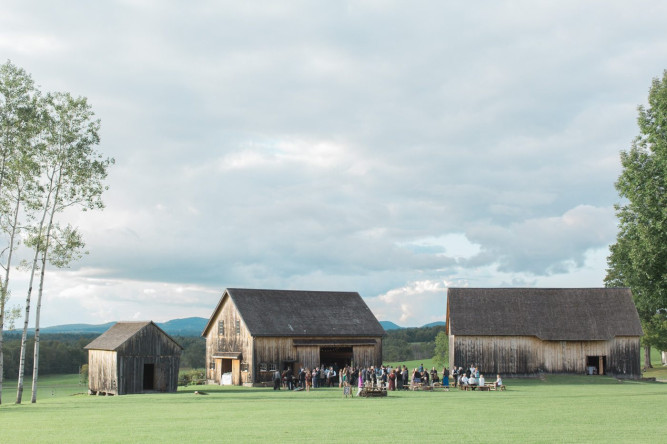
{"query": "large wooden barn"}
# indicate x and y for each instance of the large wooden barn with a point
(524, 331)
(252, 333)
(133, 357)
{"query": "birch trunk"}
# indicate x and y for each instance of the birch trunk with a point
(24, 337)
(5, 287)
(45, 251)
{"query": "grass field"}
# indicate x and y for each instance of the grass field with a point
(557, 409)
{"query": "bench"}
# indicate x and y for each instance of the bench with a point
(369, 392)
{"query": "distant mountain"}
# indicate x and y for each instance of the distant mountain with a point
(175, 327)
(435, 324)
(76, 328)
(388, 325)
(184, 327)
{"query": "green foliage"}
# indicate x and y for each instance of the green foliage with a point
(441, 356)
(65, 353)
(83, 374)
(410, 343)
(637, 259)
(194, 351)
(191, 376)
(58, 354)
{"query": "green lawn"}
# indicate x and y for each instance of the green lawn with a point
(559, 408)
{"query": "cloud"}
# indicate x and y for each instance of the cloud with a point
(361, 146)
(547, 245)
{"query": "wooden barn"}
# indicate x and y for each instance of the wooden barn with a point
(133, 357)
(252, 333)
(527, 331)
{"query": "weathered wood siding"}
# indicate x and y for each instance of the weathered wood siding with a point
(148, 346)
(229, 342)
(102, 371)
(121, 371)
(281, 351)
(523, 355)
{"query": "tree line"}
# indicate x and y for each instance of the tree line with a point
(48, 164)
(64, 353)
(407, 344)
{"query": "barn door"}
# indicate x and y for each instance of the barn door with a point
(236, 371)
(149, 377)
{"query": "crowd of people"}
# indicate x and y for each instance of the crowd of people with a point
(385, 377)
(472, 377)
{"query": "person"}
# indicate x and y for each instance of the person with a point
(472, 381)
(425, 378)
(309, 379)
(302, 378)
(481, 382)
(360, 385)
(314, 377)
(276, 380)
(392, 381)
(405, 377)
(288, 378)
(416, 377)
(421, 368)
(445, 378)
(464, 379)
(455, 375)
(498, 382)
(434, 376)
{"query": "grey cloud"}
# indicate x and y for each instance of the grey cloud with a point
(497, 120)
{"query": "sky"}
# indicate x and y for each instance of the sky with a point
(390, 148)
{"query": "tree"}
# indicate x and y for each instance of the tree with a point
(638, 259)
(72, 175)
(441, 357)
(18, 98)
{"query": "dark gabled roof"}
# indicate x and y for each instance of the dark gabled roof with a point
(301, 313)
(119, 333)
(547, 313)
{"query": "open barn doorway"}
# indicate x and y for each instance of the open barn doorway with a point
(595, 365)
(337, 357)
(149, 376)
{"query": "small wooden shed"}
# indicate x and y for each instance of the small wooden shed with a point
(252, 333)
(527, 331)
(133, 357)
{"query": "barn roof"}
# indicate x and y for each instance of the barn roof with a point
(547, 313)
(301, 313)
(119, 333)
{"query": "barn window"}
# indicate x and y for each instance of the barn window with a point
(263, 367)
(244, 366)
(221, 328)
(238, 327)
(212, 366)
(273, 367)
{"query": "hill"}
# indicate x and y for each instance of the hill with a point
(388, 325)
(175, 327)
(435, 324)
